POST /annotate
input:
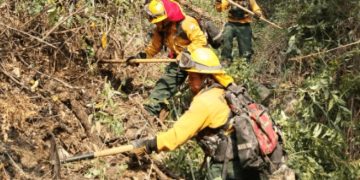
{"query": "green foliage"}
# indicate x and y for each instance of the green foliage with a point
(323, 24)
(322, 133)
(317, 133)
(99, 171)
(186, 161)
(245, 73)
(106, 109)
(315, 150)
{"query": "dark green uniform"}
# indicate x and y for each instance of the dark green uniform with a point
(243, 35)
(238, 26)
(165, 88)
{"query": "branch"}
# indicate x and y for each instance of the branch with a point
(324, 52)
(2, 69)
(34, 37)
(54, 78)
(46, 34)
(17, 168)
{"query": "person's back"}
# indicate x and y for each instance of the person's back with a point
(177, 36)
(238, 26)
(207, 110)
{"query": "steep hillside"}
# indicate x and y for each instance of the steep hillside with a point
(57, 98)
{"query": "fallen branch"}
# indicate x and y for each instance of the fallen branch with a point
(129, 42)
(34, 37)
(161, 169)
(17, 168)
(54, 158)
(324, 52)
(54, 78)
(47, 33)
(80, 113)
(160, 174)
(2, 69)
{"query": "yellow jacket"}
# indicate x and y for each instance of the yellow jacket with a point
(208, 109)
(252, 5)
(190, 37)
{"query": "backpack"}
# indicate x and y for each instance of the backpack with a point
(256, 141)
(256, 136)
(212, 33)
(238, 13)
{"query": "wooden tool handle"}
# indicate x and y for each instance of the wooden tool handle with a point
(140, 61)
(113, 151)
(253, 14)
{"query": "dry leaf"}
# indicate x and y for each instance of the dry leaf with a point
(104, 40)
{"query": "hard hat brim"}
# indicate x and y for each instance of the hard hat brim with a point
(220, 71)
(158, 19)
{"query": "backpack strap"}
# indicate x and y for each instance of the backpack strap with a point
(227, 158)
(180, 31)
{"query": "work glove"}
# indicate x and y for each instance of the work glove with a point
(143, 146)
(185, 60)
(140, 55)
(257, 15)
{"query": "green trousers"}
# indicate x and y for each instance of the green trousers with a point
(243, 35)
(234, 171)
(165, 88)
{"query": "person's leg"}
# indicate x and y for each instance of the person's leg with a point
(213, 172)
(165, 88)
(233, 171)
(228, 36)
(244, 37)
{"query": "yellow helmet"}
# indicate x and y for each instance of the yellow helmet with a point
(155, 11)
(201, 60)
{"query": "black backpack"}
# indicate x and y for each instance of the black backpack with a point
(258, 139)
(247, 143)
(212, 32)
(238, 13)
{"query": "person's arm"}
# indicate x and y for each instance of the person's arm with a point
(194, 34)
(189, 124)
(255, 8)
(155, 45)
(221, 5)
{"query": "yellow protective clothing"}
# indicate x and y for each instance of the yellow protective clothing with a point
(223, 79)
(225, 5)
(208, 109)
(191, 37)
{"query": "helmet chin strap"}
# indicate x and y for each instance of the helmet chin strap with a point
(207, 82)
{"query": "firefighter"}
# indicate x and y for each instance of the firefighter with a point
(207, 119)
(238, 26)
(179, 33)
(207, 113)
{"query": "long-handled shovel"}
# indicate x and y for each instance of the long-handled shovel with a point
(107, 152)
(253, 14)
(140, 61)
